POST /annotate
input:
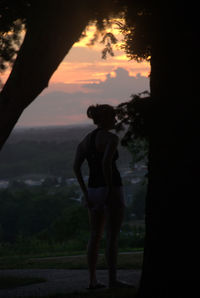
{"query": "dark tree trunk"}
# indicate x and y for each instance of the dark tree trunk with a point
(54, 27)
(171, 254)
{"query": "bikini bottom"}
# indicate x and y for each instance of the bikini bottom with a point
(97, 198)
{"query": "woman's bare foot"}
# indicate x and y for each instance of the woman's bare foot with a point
(120, 284)
(95, 286)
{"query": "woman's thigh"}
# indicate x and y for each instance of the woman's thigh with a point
(114, 219)
(97, 197)
(115, 212)
(97, 223)
(112, 213)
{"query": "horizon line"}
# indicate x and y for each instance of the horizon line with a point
(52, 126)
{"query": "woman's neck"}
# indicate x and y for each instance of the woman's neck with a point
(103, 127)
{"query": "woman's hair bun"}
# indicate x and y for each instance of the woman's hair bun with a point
(91, 111)
(98, 112)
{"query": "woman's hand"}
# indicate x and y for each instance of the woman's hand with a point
(85, 201)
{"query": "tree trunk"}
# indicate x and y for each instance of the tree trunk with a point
(171, 254)
(54, 27)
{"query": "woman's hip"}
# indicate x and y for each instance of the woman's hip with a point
(97, 196)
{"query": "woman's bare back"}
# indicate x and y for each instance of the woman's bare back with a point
(103, 139)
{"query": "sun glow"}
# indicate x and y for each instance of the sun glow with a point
(94, 38)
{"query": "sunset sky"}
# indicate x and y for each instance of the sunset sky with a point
(84, 78)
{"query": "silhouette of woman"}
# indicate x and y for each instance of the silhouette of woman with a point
(104, 195)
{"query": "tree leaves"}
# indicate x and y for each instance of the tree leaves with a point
(134, 117)
(108, 40)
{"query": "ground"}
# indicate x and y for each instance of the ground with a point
(60, 281)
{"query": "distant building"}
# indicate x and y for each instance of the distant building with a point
(4, 184)
(30, 182)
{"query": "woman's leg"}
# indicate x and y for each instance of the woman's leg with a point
(97, 222)
(114, 221)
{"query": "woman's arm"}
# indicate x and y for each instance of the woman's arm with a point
(78, 161)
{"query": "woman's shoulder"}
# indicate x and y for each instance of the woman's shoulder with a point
(112, 136)
(108, 137)
(85, 141)
(103, 137)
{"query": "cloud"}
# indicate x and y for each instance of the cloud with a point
(69, 107)
(121, 85)
(86, 64)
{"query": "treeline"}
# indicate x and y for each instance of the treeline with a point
(48, 152)
(41, 219)
(26, 212)
(37, 157)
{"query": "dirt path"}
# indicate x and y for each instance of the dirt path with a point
(60, 281)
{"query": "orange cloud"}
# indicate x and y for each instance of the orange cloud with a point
(76, 73)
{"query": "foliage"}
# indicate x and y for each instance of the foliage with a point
(134, 117)
(136, 28)
(134, 114)
(12, 18)
(108, 40)
(71, 224)
(25, 213)
(40, 220)
(9, 44)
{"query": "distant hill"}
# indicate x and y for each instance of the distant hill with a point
(46, 151)
(50, 133)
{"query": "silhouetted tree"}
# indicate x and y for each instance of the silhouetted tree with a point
(12, 18)
(172, 120)
(167, 33)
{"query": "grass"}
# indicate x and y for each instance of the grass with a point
(9, 250)
(9, 282)
(125, 261)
